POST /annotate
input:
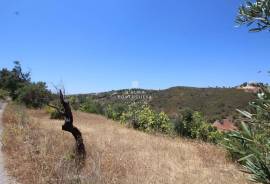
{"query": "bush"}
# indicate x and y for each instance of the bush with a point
(145, 119)
(3, 94)
(34, 95)
(192, 125)
(215, 136)
(115, 111)
(91, 106)
(56, 115)
(74, 102)
(182, 123)
(130, 117)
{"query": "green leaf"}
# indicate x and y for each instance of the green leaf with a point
(245, 113)
(246, 157)
(245, 129)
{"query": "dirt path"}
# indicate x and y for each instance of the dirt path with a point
(3, 175)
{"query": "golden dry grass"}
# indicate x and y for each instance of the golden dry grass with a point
(43, 153)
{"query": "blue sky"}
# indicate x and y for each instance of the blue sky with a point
(92, 46)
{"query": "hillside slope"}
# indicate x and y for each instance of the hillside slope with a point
(116, 154)
(214, 103)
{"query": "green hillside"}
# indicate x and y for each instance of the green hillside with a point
(214, 103)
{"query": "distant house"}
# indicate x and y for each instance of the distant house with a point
(225, 125)
(250, 87)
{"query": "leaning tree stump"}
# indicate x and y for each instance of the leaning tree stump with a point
(69, 127)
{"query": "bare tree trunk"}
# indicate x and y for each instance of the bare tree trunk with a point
(68, 126)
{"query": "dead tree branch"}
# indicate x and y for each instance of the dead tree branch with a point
(68, 126)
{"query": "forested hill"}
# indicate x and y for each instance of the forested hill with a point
(214, 103)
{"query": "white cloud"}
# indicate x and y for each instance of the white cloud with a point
(135, 84)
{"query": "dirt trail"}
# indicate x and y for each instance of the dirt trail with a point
(4, 179)
(122, 155)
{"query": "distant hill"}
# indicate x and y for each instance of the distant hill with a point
(214, 103)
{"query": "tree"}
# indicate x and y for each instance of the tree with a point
(257, 13)
(69, 127)
(12, 80)
(34, 95)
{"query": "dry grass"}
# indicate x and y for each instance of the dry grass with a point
(39, 152)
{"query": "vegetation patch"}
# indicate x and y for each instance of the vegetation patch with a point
(193, 125)
(215, 103)
(3, 94)
(17, 84)
(145, 119)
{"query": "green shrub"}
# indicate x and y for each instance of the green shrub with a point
(34, 95)
(193, 125)
(215, 136)
(3, 94)
(182, 123)
(206, 132)
(109, 112)
(56, 115)
(91, 106)
(163, 123)
(130, 117)
(145, 119)
(115, 111)
(198, 126)
(74, 102)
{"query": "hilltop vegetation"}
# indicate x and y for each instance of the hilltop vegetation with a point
(214, 103)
